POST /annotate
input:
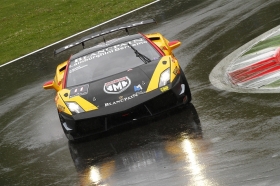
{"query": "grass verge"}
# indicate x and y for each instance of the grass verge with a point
(270, 42)
(29, 25)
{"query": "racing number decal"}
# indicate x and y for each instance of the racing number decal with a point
(78, 91)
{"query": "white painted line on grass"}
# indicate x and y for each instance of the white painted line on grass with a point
(79, 33)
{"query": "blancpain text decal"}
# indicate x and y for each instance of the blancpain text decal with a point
(124, 99)
(100, 53)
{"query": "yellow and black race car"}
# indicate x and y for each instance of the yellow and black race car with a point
(118, 81)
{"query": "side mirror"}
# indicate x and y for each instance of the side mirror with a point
(49, 85)
(174, 44)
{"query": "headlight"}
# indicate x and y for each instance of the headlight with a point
(74, 107)
(164, 77)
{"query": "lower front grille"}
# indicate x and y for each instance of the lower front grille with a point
(156, 105)
(128, 115)
(162, 102)
(91, 125)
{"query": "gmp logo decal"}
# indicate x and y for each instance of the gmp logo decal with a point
(117, 86)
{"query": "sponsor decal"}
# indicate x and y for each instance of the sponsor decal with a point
(122, 99)
(141, 92)
(143, 83)
(176, 71)
(163, 89)
(80, 62)
(93, 99)
(117, 86)
(60, 108)
(79, 91)
(137, 88)
(77, 68)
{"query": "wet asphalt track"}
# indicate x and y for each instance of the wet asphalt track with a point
(240, 144)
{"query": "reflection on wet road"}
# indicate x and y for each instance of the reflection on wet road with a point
(117, 158)
(240, 144)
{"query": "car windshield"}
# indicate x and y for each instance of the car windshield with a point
(109, 61)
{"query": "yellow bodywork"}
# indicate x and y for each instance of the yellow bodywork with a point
(165, 63)
(60, 98)
(58, 78)
(64, 93)
(60, 104)
(162, 66)
(167, 48)
(163, 43)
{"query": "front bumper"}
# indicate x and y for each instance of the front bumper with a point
(146, 106)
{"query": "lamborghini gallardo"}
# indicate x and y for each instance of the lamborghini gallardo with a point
(118, 81)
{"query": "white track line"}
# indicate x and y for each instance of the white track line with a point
(79, 33)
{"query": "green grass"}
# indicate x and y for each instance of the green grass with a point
(270, 42)
(274, 84)
(27, 25)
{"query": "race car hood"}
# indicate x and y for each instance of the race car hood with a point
(118, 88)
(118, 92)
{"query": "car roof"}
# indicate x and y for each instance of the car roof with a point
(105, 45)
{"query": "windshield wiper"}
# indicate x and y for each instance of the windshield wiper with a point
(144, 58)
